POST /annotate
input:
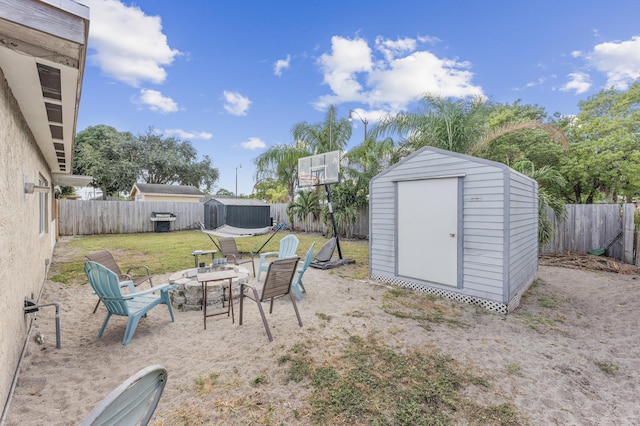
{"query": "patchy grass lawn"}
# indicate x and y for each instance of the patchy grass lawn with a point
(171, 251)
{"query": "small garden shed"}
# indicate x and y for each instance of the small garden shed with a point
(238, 212)
(456, 226)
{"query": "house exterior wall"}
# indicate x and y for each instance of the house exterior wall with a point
(488, 229)
(26, 251)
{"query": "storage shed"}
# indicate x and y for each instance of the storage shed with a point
(456, 226)
(238, 212)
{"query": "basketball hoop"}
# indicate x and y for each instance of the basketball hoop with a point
(308, 180)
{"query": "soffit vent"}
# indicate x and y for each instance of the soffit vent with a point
(50, 82)
(54, 112)
(56, 131)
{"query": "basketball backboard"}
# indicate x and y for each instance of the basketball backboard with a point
(319, 169)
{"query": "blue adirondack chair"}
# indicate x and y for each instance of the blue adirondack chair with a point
(133, 402)
(133, 305)
(288, 248)
(297, 280)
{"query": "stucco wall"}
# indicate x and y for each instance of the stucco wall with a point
(25, 252)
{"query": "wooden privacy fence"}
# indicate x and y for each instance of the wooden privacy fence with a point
(95, 217)
(587, 226)
(359, 229)
(594, 226)
(122, 217)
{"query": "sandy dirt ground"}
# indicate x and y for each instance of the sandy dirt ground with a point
(568, 355)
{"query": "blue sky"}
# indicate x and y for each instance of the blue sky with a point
(233, 77)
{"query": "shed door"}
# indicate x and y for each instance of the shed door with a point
(428, 230)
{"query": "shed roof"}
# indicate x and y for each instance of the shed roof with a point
(159, 189)
(467, 157)
(235, 201)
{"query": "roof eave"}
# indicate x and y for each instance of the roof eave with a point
(53, 34)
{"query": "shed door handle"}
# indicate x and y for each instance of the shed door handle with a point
(452, 234)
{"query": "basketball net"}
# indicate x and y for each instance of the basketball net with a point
(308, 180)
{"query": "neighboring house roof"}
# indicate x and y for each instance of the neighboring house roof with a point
(42, 56)
(158, 189)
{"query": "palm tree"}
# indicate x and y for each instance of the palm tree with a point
(368, 159)
(330, 135)
(545, 176)
(281, 161)
(554, 132)
(458, 126)
(307, 202)
(441, 123)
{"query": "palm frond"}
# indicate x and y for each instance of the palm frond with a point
(556, 134)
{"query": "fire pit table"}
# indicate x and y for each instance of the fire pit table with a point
(188, 295)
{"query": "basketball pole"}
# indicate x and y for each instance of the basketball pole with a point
(333, 219)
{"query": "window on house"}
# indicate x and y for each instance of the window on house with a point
(43, 200)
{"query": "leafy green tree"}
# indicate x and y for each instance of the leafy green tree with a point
(279, 194)
(225, 192)
(168, 160)
(109, 157)
(604, 157)
(66, 191)
(531, 143)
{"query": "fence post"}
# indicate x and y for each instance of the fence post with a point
(627, 238)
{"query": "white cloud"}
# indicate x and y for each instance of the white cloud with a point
(579, 83)
(390, 49)
(402, 75)
(183, 134)
(620, 61)
(235, 103)
(538, 82)
(126, 44)
(154, 100)
(347, 58)
(253, 143)
(281, 64)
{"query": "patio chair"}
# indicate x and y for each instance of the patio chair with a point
(288, 248)
(134, 305)
(229, 250)
(105, 258)
(297, 281)
(277, 284)
(133, 402)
